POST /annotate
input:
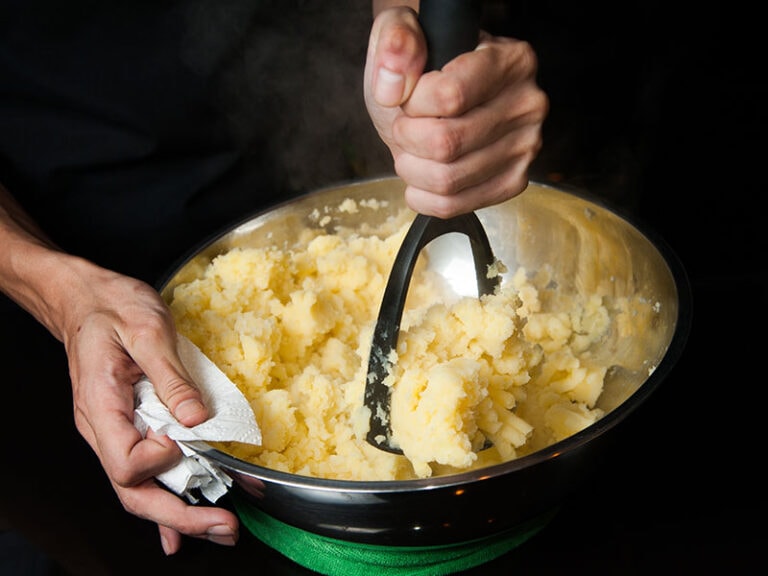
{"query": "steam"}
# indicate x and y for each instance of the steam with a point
(290, 84)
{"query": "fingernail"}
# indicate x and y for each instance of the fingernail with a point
(164, 544)
(189, 412)
(222, 534)
(389, 87)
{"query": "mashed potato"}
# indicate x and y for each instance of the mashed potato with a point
(291, 327)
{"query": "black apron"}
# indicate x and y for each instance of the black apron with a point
(113, 126)
(132, 132)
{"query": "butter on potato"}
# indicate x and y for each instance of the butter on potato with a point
(291, 327)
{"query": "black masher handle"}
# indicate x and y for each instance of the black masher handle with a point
(451, 27)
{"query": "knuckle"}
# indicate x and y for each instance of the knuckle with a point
(450, 97)
(536, 102)
(131, 503)
(122, 474)
(528, 55)
(544, 104)
(521, 57)
(176, 390)
(445, 143)
(399, 38)
(149, 328)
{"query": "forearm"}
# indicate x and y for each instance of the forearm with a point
(33, 271)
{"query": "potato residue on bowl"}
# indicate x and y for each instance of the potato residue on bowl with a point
(291, 327)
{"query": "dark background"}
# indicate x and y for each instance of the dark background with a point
(657, 110)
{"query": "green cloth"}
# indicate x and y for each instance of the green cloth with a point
(333, 557)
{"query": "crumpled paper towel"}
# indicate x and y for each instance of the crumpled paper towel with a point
(231, 420)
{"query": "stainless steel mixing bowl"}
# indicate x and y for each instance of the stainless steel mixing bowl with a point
(592, 250)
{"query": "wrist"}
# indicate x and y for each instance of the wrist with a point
(36, 276)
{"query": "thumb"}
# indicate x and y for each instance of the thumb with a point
(397, 53)
(173, 384)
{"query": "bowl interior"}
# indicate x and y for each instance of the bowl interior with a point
(589, 248)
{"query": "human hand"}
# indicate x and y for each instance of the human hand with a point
(462, 138)
(116, 329)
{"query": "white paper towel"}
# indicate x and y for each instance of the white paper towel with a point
(231, 420)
